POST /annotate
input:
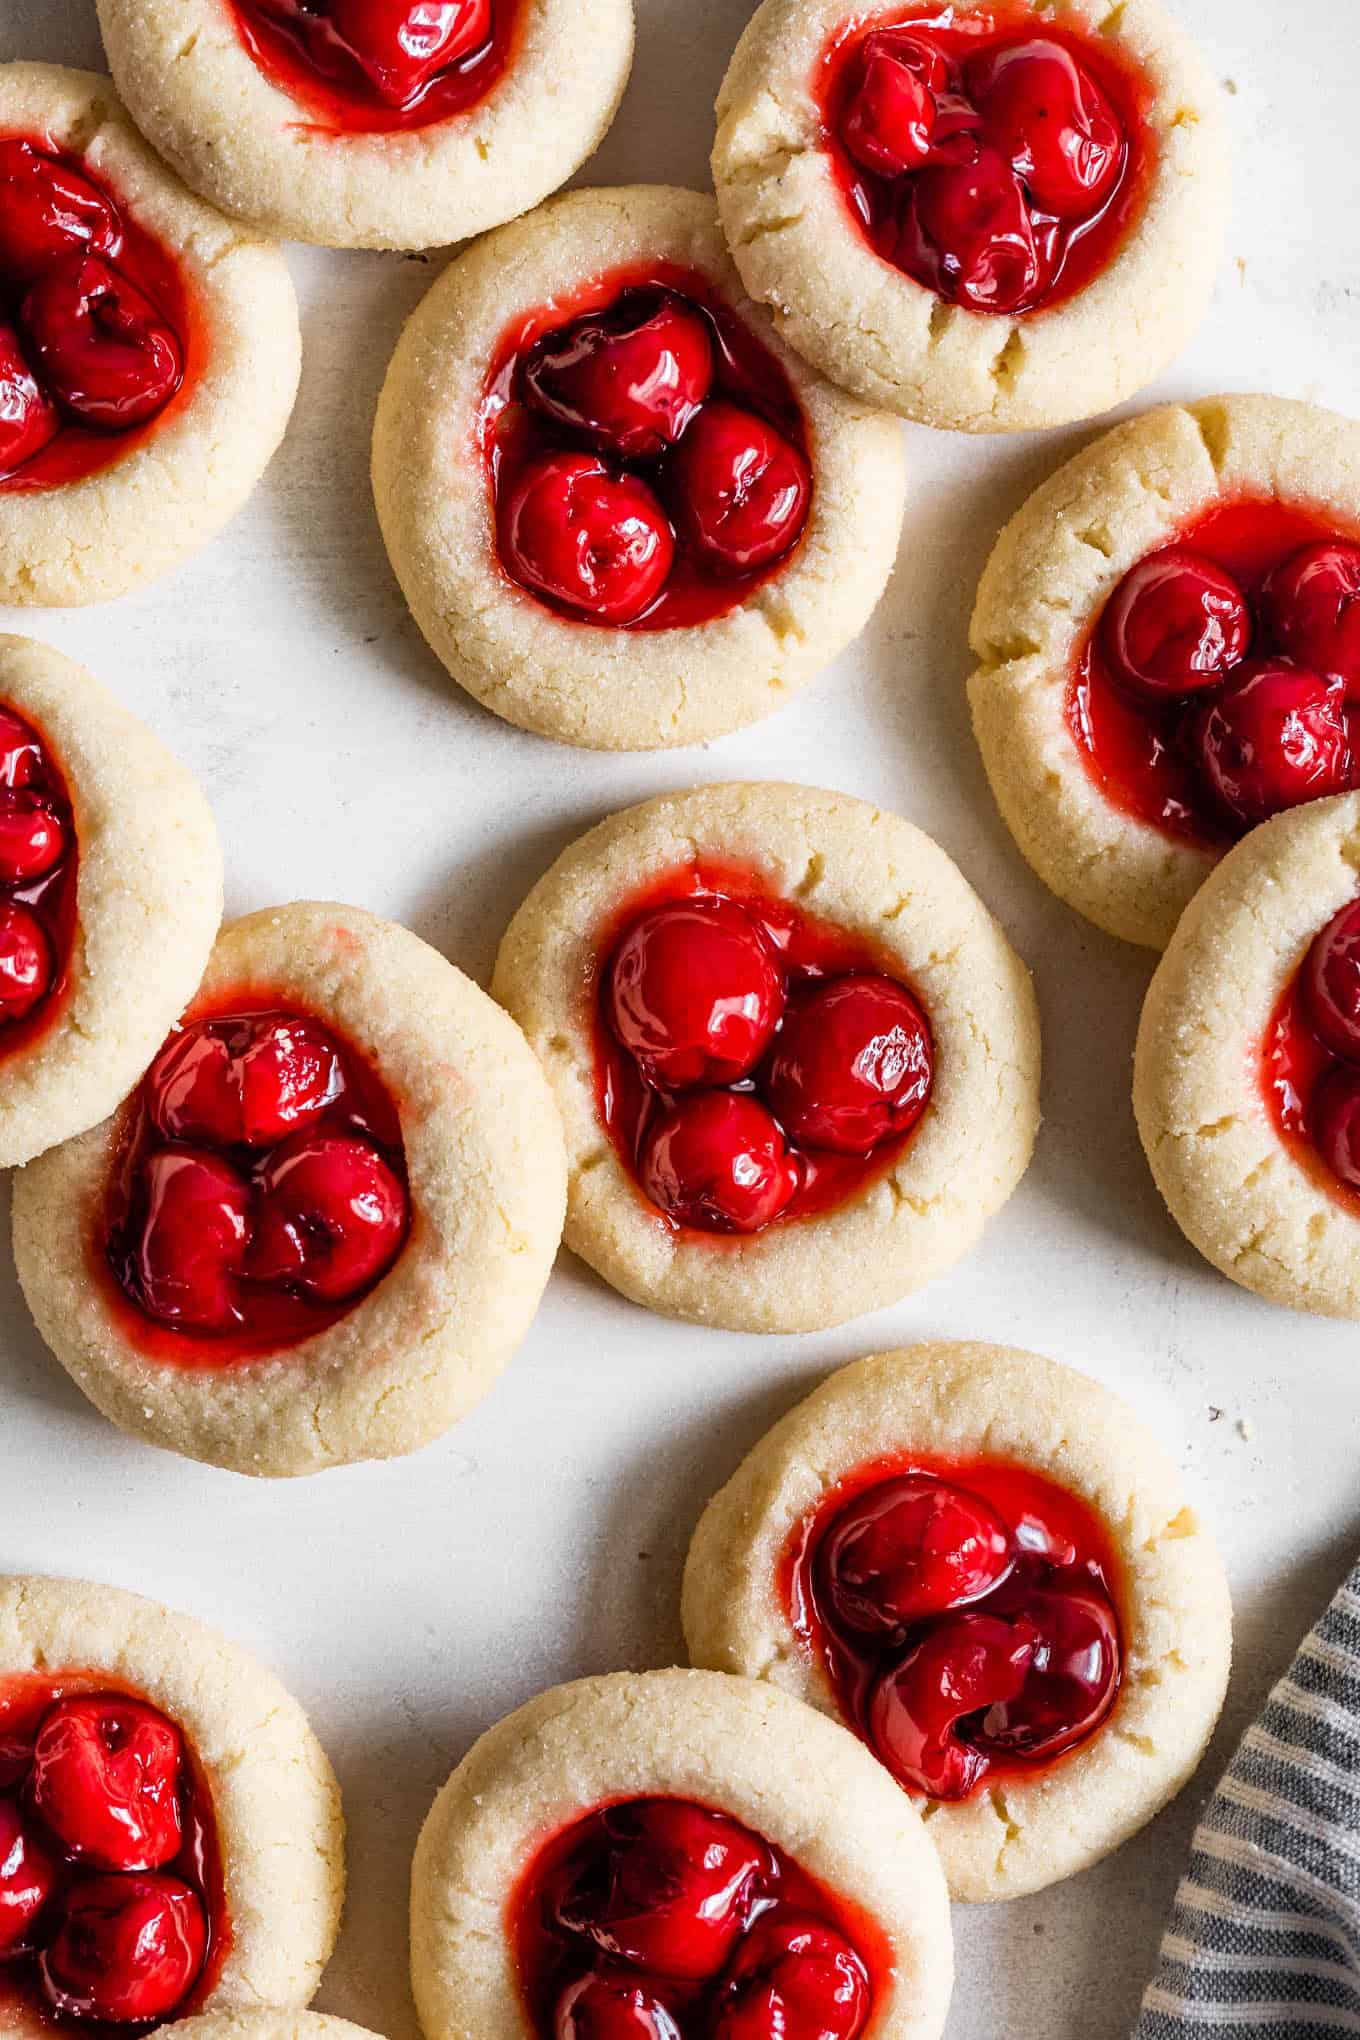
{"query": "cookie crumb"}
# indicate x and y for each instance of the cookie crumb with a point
(1245, 1429)
(1230, 87)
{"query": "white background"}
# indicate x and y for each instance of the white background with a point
(410, 1605)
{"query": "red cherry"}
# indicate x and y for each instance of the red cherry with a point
(889, 118)
(967, 232)
(853, 1065)
(909, 1548)
(106, 1780)
(1335, 1124)
(190, 1246)
(16, 1754)
(28, 1877)
(969, 1663)
(28, 422)
(1275, 737)
(630, 377)
(243, 1082)
(399, 45)
(1312, 601)
(330, 1220)
(20, 753)
(667, 1890)
(1331, 983)
(1045, 113)
(1072, 1677)
(100, 345)
(32, 839)
(27, 967)
(1176, 622)
(597, 542)
(126, 1949)
(612, 2007)
(794, 1978)
(741, 491)
(694, 993)
(47, 211)
(717, 1160)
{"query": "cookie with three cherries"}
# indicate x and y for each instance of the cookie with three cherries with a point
(318, 1229)
(668, 1854)
(796, 1058)
(623, 513)
(984, 1565)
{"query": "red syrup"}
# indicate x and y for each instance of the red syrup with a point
(965, 1614)
(732, 1020)
(79, 1933)
(1310, 1060)
(660, 1919)
(1173, 754)
(259, 1187)
(998, 159)
(380, 66)
(646, 454)
(39, 859)
(99, 342)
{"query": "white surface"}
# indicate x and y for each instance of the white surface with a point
(412, 1604)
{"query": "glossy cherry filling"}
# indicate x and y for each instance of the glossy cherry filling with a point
(646, 454)
(260, 1188)
(38, 863)
(996, 157)
(94, 323)
(379, 66)
(1221, 683)
(753, 1063)
(112, 1898)
(660, 1919)
(1310, 1059)
(965, 1615)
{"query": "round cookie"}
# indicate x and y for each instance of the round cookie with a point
(965, 1408)
(104, 508)
(257, 1832)
(352, 1301)
(271, 2025)
(1243, 1181)
(127, 914)
(783, 182)
(1110, 836)
(878, 896)
(796, 1783)
(599, 684)
(358, 170)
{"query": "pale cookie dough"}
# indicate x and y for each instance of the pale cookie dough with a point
(604, 688)
(738, 1747)
(1058, 560)
(957, 1400)
(271, 2025)
(148, 901)
(175, 487)
(878, 332)
(879, 878)
(486, 1172)
(1232, 1186)
(198, 95)
(274, 1795)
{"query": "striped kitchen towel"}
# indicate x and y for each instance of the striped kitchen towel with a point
(1264, 1938)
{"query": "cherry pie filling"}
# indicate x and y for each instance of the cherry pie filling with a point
(260, 1189)
(646, 454)
(997, 159)
(965, 1615)
(112, 1900)
(38, 860)
(1310, 1062)
(95, 333)
(753, 1064)
(660, 1919)
(1221, 683)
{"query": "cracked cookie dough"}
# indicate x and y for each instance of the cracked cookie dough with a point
(1118, 798)
(270, 2025)
(369, 138)
(1241, 1075)
(796, 1058)
(122, 457)
(728, 1810)
(110, 896)
(232, 1836)
(320, 1228)
(826, 1552)
(886, 279)
(695, 564)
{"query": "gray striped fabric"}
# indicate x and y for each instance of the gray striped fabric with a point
(1264, 1938)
